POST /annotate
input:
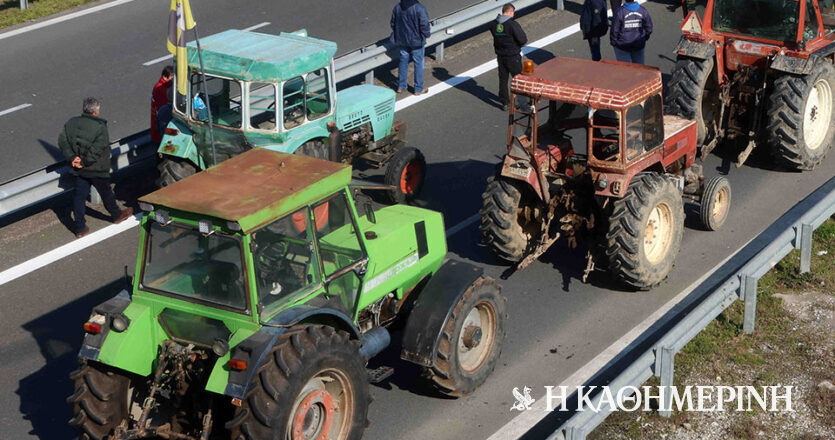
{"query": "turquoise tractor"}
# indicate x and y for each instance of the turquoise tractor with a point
(278, 92)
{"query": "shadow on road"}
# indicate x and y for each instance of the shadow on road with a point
(59, 335)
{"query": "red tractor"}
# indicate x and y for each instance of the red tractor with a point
(758, 72)
(590, 153)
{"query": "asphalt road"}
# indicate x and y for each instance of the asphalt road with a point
(556, 324)
(102, 55)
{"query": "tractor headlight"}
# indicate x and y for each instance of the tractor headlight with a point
(220, 347)
(602, 183)
(120, 323)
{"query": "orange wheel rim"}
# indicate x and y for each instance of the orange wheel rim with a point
(410, 177)
(314, 416)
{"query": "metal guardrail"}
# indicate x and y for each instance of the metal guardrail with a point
(41, 185)
(653, 353)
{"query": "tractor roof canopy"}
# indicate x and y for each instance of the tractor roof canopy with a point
(254, 188)
(253, 56)
(602, 84)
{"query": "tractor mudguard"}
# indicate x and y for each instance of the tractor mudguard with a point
(180, 144)
(795, 65)
(255, 349)
(695, 49)
(433, 308)
(91, 347)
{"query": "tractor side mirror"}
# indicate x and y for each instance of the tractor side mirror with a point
(365, 201)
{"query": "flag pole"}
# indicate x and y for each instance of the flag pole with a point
(206, 94)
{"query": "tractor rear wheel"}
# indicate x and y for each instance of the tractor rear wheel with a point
(100, 401)
(508, 218)
(405, 171)
(471, 341)
(716, 203)
(313, 385)
(174, 169)
(314, 148)
(645, 229)
(800, 117)
(693, 93)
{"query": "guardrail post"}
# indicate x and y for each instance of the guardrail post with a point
(805, 247)
(560, 5)
(572, 433)
(665, 365)
(439, 52)
(369, 77)
(95, 197)
(24, 4)
(748, 288)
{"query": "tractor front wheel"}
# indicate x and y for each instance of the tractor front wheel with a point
(471, 341)
(509, 219)
(645, 229)
(173, 169)
(693, 93)
(100, 402)
(800, 117)
(405, 171)
(313, 385)
(716, 203)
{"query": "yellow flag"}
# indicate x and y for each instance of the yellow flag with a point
(179, 21)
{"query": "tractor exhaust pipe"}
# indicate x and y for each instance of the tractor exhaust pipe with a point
(374, 341)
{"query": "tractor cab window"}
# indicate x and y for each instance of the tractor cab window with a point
(180, 100)
(339, 247)
(262, 106)
(810, 25)
(644, 127)
(293, 99)
(180, 261)
(224, 97)
(653, 122)
(284, 262)
(769, 19)
(317, 97)
(634, 132)
(604, 139)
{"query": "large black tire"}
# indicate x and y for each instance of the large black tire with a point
(290, 377)
(174, 169)
(716, 203)
(799, 118)
(644, 232)
(504, 226)
(471, 342)
(100, 401)
(693, 94)
(314, 148)
(405, 171)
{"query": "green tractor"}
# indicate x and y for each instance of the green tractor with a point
(257, 314)
(278, 92)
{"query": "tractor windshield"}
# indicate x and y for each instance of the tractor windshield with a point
(769, 19)
(183, 262)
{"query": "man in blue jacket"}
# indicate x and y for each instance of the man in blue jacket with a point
(409, 31)
(594, 24)
(631, 28)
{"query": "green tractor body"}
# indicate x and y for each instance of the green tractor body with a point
(237, 261)
(277, 92)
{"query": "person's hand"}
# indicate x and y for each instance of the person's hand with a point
(76, 163)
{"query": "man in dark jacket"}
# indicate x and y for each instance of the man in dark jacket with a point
(508, 39)
(409, 31)
(594, 24)
(631, 28)
(85, 144)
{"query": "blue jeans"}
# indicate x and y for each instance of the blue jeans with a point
(594, 47)
(630, 56)
(416, 55)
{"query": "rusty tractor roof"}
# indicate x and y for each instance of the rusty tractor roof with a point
(603, 84)
(254, 188)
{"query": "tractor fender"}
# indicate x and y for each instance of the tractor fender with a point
(180, 144)
(795, 65)
(91, 347)
(255, 349)
(694, 49)
(433, 308)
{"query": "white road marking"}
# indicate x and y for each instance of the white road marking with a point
(62, 18)
(520, 424)
(169, 56)
(14, 109)
(467, 222)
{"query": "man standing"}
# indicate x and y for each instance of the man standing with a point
(85, 144)
(409, 31)
(508, 39)
(594, 24)
(159, 98)
(631, 28)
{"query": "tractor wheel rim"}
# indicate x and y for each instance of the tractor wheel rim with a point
(324, 408)
(720, 205)
(817, 114)
(475, 341)
(658, 233)
(410, 177)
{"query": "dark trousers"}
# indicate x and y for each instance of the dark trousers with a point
(614, 4)
(508, 66)
(82, 191)
(594, 47)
